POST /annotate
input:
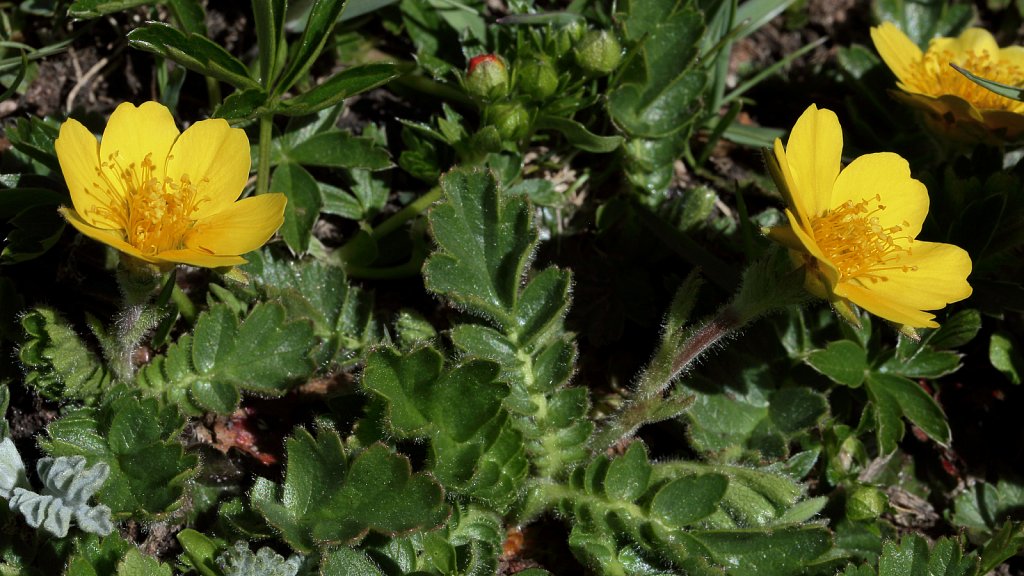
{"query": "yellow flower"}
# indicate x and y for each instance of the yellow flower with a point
(854, 229)
(162, 196)
(955, 105)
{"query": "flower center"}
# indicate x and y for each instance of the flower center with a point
(154, 215)
(857, 245)
(936, 77)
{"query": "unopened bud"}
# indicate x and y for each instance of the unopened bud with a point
(512, 120)
(538, 79)
(487, 77)
(865, 503)
(598, 53)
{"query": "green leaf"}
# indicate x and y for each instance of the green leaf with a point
(843, 361)
(1005, 357)
(136, 564)
(200, 551)
(345, 561)
(190, 14)
(303, 54)
(330, 498)
(138, 441)
(688, 500)
(795, 409)
(304, 203)
(195, 52)
(95, 556)
(56, 361)
(914, 403)
(485, 239)
(958, 330)
(474, 448)
(628, 475)
(342, 315)
(578, 135)
(983, 508)
(337, 149)
(85, 9)
(1008, 541)
(242, 105)
(344, 84)
(206, 370)
(911, 557)
(658, 92)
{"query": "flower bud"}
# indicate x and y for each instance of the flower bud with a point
(487, 77)
(538, 79)
(865, 503)
(598, 53)
(566, 37)
(512, 120)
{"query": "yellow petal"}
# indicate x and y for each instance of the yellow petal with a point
(892, 311)
(1012, 56)
(971, 40)
(242, 227)
(898, 51)
(133, 133)
(904, 199)
(199, 259)
(215, 157)
(78, 154)
(108, 237)
(814, 152)
(936, 275)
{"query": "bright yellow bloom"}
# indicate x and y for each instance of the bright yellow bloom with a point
(955, 105)
(162, 196)
(854, 229)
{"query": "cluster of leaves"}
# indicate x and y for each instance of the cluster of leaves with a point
(426, 424)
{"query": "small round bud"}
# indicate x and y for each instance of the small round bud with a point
(566, 37)
(512, 120)
(538, 79)
(865, 503)
(487, 77)
(598, 53)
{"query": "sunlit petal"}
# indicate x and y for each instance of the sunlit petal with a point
(903, 200)
(215, 158)
(898, 51)
(135, 133)
(109, 237)
(78, 154)
(242, 227)
(814, 152)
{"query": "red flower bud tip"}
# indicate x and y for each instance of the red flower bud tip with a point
(477, 60)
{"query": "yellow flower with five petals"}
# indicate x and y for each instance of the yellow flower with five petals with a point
(854, 229)
(162, 196)
(955, 105)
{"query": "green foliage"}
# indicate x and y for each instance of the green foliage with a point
(137, 440)
(341, 314)
(485, 239)
(57, 362)
(475, 448)
(335, 497)
(691, 516)
(912, 557)
(208, 369)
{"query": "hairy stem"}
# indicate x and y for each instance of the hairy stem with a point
(263, 168)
